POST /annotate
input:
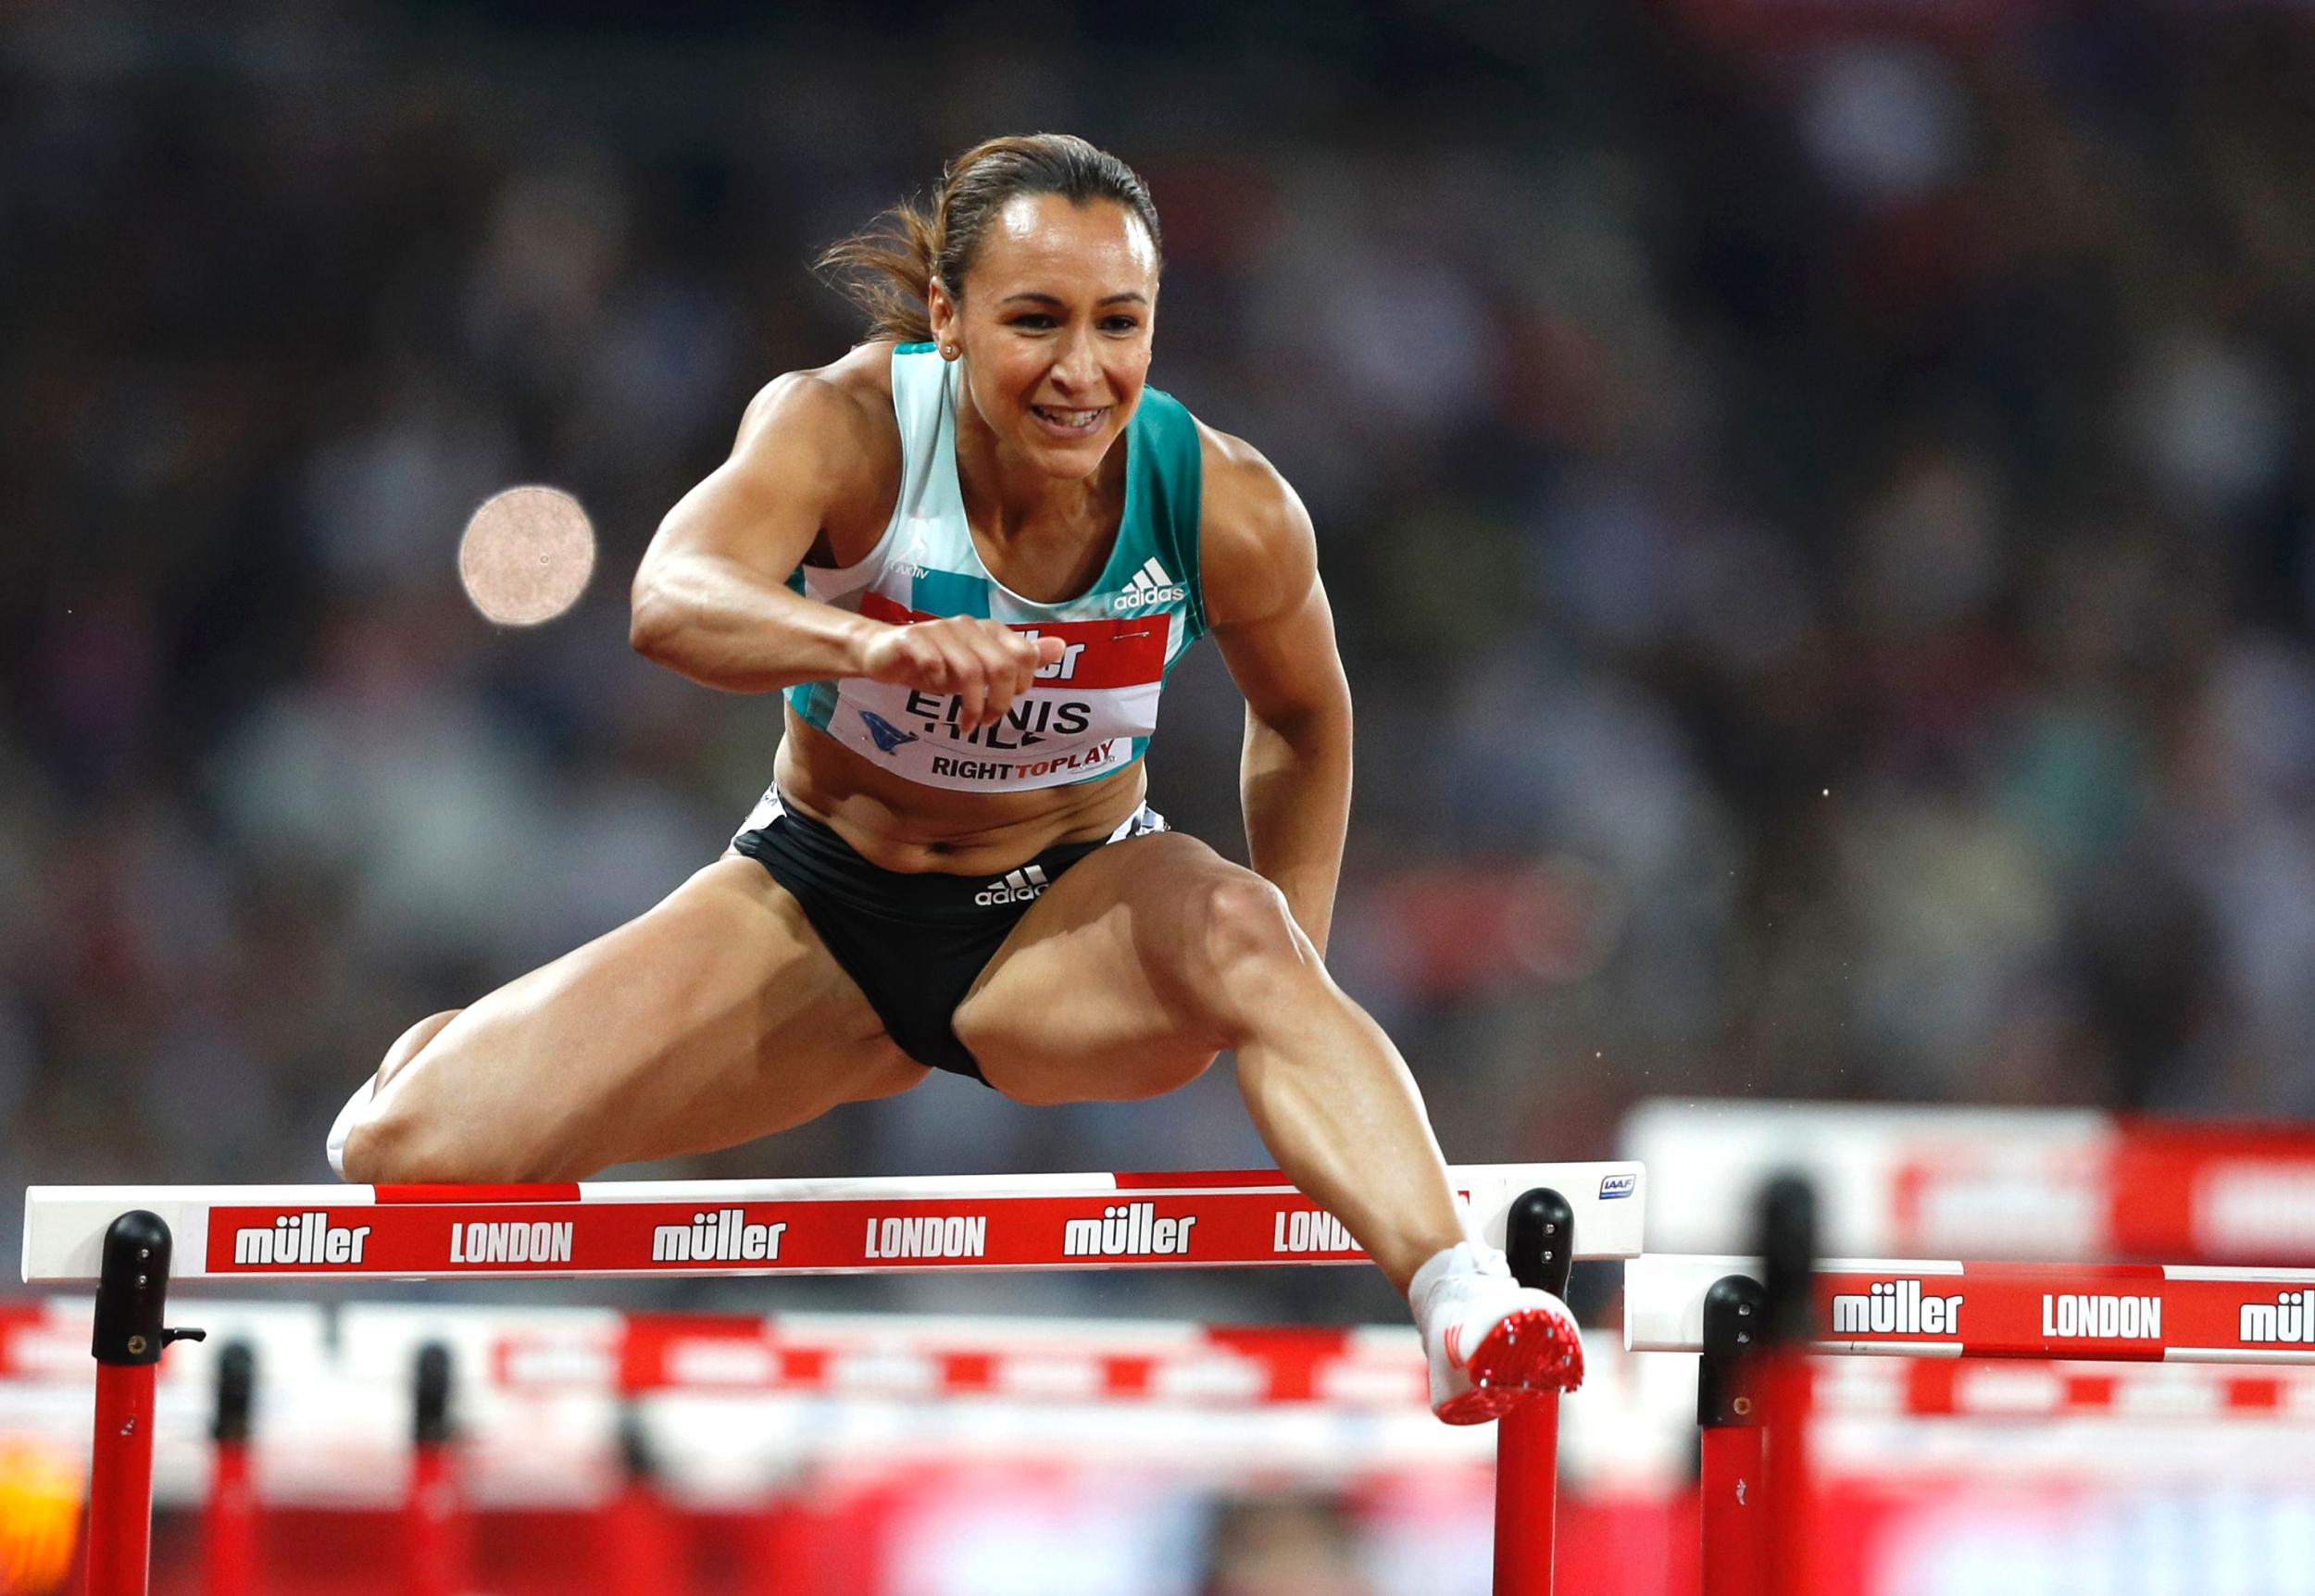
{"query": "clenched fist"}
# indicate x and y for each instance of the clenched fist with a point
(985, 663)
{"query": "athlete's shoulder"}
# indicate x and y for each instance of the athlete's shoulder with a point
(1258, 549)
(827, 431)
(848, 401)
(1240, 481)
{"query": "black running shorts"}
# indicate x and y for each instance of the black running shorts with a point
(913, 942)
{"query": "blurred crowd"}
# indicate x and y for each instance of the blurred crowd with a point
(1819, 523)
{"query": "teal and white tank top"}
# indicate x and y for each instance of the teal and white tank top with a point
(1092, 712)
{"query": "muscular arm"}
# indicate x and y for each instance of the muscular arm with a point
(710, 599)
(1269, 616)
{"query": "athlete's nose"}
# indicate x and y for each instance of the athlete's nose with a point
(1075, 371)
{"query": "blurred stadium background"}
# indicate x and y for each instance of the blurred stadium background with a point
(1816, 497)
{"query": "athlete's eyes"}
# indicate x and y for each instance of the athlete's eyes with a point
(1039, 321)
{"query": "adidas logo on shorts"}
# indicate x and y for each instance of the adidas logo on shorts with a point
(1015, 887)
(1151, 585)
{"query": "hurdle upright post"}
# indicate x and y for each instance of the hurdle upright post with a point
(131, 1297)
(1728, 1416)
(641, 1548)
(1539, 1241)
(229, 1554)
(435, 1513)
(1788, 1258)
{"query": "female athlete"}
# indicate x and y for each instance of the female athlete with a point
(969, 553)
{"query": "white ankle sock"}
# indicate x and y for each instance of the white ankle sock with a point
(1446, 1264)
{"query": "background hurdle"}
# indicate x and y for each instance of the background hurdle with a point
(1757, 1322)
(1248, 1218)
(2006, 1310)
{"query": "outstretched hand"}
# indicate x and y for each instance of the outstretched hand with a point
(985, 664)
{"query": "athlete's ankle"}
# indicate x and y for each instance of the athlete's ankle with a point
(1464, 1258)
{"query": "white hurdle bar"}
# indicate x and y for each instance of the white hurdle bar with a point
(1194, 1219)
(132, 1242)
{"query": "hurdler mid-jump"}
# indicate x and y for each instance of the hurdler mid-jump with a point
(969, 553)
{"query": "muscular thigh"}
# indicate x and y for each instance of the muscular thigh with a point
(1095, 995)
(715, 1017)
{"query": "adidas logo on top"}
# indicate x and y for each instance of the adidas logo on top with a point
(1016, 887)
(1151, 585)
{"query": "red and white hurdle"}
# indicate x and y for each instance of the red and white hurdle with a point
(2084, 1324)
(133, 1241)
(1757, 1387)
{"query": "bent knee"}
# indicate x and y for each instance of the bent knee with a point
(1243, 918)
(379, 1149)
(394, 1148)
(391, 1146)
(1253, 955)
(412, 1042)
(413, 1136)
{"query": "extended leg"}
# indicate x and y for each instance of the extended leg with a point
(1149, 956)
(1152, 955)
(715, 1017)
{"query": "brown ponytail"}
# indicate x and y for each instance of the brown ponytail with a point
(888, 269)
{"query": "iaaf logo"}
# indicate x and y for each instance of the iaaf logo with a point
(1897, 1308)
(1151, 585)
(301, 1238)
(1614, 1186)
(1017, 886)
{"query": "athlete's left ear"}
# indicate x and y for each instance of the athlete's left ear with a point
(947, 318)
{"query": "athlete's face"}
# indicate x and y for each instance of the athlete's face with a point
(1054, 327)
